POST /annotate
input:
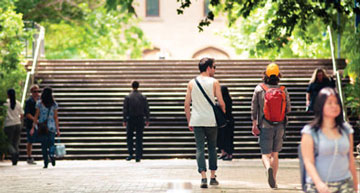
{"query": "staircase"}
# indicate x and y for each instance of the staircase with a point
(90, 95)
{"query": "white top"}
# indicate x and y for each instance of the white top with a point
(202, 114)
(13, 115)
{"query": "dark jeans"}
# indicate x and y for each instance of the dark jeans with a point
(13, 135)
(135, 124)
(47, 141)
(210, 133)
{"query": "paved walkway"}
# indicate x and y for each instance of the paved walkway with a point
(148, 176)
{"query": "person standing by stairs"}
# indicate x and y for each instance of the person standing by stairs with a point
(318, 81)
(47, 113)
(201, 119)
(225, 139)
(134, 110)
(270, 103)
(13, 125)
(29, 119)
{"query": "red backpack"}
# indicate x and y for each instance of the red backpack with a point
(274, 103)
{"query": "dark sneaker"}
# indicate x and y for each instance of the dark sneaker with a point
(213, 182)
(222, 157)
(203, 183)
(129, 158)
(31, 161)
(14, 159)
(52, 159)
(227, 158)
(137, 160)
(270, 176)
(45, 165)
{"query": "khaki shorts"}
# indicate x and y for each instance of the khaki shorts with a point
(271, 139)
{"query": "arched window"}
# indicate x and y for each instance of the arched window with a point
(212, 53)
(155, 54)
(151, 54)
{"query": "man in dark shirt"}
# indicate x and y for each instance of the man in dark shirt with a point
(134, 111)
(29, 117)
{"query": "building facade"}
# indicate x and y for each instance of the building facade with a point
(176, 36)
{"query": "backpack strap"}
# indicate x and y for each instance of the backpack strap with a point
(264, 87)
(315, 137)
(204, 93)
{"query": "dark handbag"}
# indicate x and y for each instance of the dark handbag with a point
(219, 114)
(42, 127)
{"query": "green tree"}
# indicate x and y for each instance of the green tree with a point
(245, 38)
(102, 34)
(87, 29)
(285, 15)
(11, 33)
(12, 73)
(352, 45)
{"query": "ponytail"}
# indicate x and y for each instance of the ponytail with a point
(11, 95)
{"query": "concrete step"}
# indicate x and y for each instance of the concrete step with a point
(90, 95)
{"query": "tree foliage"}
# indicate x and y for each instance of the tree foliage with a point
(246, 36)
(87, 29)
(11, 33)
(56, 11)
(286, 15)
(12, 73)
(352, 45)
(102, 34)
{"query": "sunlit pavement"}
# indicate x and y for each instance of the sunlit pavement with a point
(175, 175)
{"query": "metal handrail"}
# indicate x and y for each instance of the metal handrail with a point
(336, 72)
(30, 75)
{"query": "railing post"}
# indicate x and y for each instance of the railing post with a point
(31, 75)
(336, 72)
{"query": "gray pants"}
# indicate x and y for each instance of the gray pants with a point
(210, 133)
(13, 135)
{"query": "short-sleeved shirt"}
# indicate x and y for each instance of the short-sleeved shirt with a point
(44, 115)
(13, 115)
(332, 161)
(31, 109)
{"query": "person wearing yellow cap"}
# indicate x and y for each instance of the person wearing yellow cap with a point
(269, 106)
(272, 69)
